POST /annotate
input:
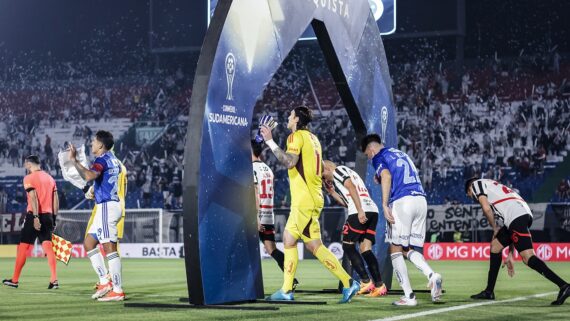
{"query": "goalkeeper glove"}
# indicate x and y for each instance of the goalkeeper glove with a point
(268, 121)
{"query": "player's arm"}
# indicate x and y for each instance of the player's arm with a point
(255, 187)
(334, 194)
(510, 261)
(55, 209)
(35, 208)
(356, 199)
(256, 197)
(125, 185)
(89, 192)
(84, 172)
(260, 227)
(288, 160)
(386, 182)
(488, 211)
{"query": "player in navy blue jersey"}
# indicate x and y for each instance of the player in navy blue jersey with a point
(405, 210)
(105, 176)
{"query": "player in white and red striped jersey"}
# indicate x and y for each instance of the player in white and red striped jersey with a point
(497, 200)
(349, 190)
(263, 182)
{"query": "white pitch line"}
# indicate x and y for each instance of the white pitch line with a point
(462, 307)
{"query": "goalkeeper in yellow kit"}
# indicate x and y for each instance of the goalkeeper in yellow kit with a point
(303, 158)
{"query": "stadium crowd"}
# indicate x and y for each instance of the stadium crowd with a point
(505, 119)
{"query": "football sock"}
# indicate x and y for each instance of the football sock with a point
(20, 260)
(115, 270)
(345, 262)
(539, 266)
(290, 267)
(98, 264)
(373, 268)
(48, 250)
(356, 261)
(494, 265)
(330, 261)
(419, 261)
(401, 272)
(279, 257)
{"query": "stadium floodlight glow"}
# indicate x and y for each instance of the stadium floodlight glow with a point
(246, 43)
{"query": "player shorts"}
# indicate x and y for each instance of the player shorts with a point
(353, 231)
(410, 222)
(29, 233)
(104, 226)
(268, 234)
(303, 223)
(517, 233)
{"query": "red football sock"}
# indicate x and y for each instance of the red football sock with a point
(48, 250)
(20, 260)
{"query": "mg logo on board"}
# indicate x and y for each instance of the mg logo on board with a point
(544, 252)
(435, 251)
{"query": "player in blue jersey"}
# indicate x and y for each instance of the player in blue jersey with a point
(405, 210)
(105, 176)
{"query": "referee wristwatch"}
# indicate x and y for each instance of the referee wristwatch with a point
(36, 216)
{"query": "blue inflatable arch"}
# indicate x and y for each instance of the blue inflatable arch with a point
(245, 44)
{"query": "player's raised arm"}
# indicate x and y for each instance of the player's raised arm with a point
(288, 160)
(85, 173)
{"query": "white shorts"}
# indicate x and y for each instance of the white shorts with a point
(410, 222)
(104, 226)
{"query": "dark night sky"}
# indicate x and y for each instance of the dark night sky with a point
(71, 28)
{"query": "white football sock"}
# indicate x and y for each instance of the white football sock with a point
(98, 264)
(115, 269)
(401, 272)
(419, 261)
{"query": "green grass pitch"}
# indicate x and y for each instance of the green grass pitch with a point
(163, 281)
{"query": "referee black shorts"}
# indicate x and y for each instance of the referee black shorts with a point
(29, 233)
(517, 233)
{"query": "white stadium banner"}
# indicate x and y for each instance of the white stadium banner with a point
(451, 218)
(152, 250)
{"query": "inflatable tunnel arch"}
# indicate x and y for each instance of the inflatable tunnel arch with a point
(245, 44)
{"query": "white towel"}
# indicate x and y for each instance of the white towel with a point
(69, 171)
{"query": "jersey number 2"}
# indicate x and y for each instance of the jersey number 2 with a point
(505, 189)
(409, 174)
